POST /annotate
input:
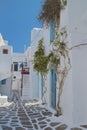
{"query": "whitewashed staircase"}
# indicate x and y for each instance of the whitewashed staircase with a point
(27, 90)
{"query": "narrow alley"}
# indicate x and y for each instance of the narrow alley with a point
(28, 116)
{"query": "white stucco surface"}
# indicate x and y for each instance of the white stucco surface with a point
(36, 35)
(78, 32)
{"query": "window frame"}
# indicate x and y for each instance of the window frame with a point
(5, 51)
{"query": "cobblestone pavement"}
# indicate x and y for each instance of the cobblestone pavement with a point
(30, 117)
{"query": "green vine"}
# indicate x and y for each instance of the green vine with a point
(40, 60)
(53, 60)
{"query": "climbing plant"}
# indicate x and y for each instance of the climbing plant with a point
(40, 65)
(59, 56)
(51, 13)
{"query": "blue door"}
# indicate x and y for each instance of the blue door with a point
(51, 31)
(41, 86)
(53, 89)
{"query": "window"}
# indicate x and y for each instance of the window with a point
(5, 51)
(15, 66)
(25, 64)
(52, 31)
(3, 82)
(20, 64)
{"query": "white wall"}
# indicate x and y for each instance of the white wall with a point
(66, 101)
(5, 89)
(46, 36)
(79, 68)
(18, 57)
(5, 70)
(36, 35)
(78, 32)
(5, 63)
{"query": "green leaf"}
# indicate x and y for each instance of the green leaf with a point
(40, 60)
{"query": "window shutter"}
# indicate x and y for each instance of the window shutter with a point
(3, 82)
(51, 31)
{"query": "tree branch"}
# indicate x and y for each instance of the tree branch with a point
(84, 44)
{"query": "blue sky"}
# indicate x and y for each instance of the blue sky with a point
(17, 18)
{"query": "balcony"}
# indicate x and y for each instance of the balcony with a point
(25, 70)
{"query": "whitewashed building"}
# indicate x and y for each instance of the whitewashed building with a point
(36, 35)
(73, 99)
(13, 64)
(77, 23)
(5, 67)
(20, 69)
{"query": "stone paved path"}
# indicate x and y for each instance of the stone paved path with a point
(30, 117)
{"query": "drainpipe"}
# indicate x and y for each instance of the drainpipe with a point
(21, 79)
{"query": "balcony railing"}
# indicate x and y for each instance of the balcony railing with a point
(25, 70)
